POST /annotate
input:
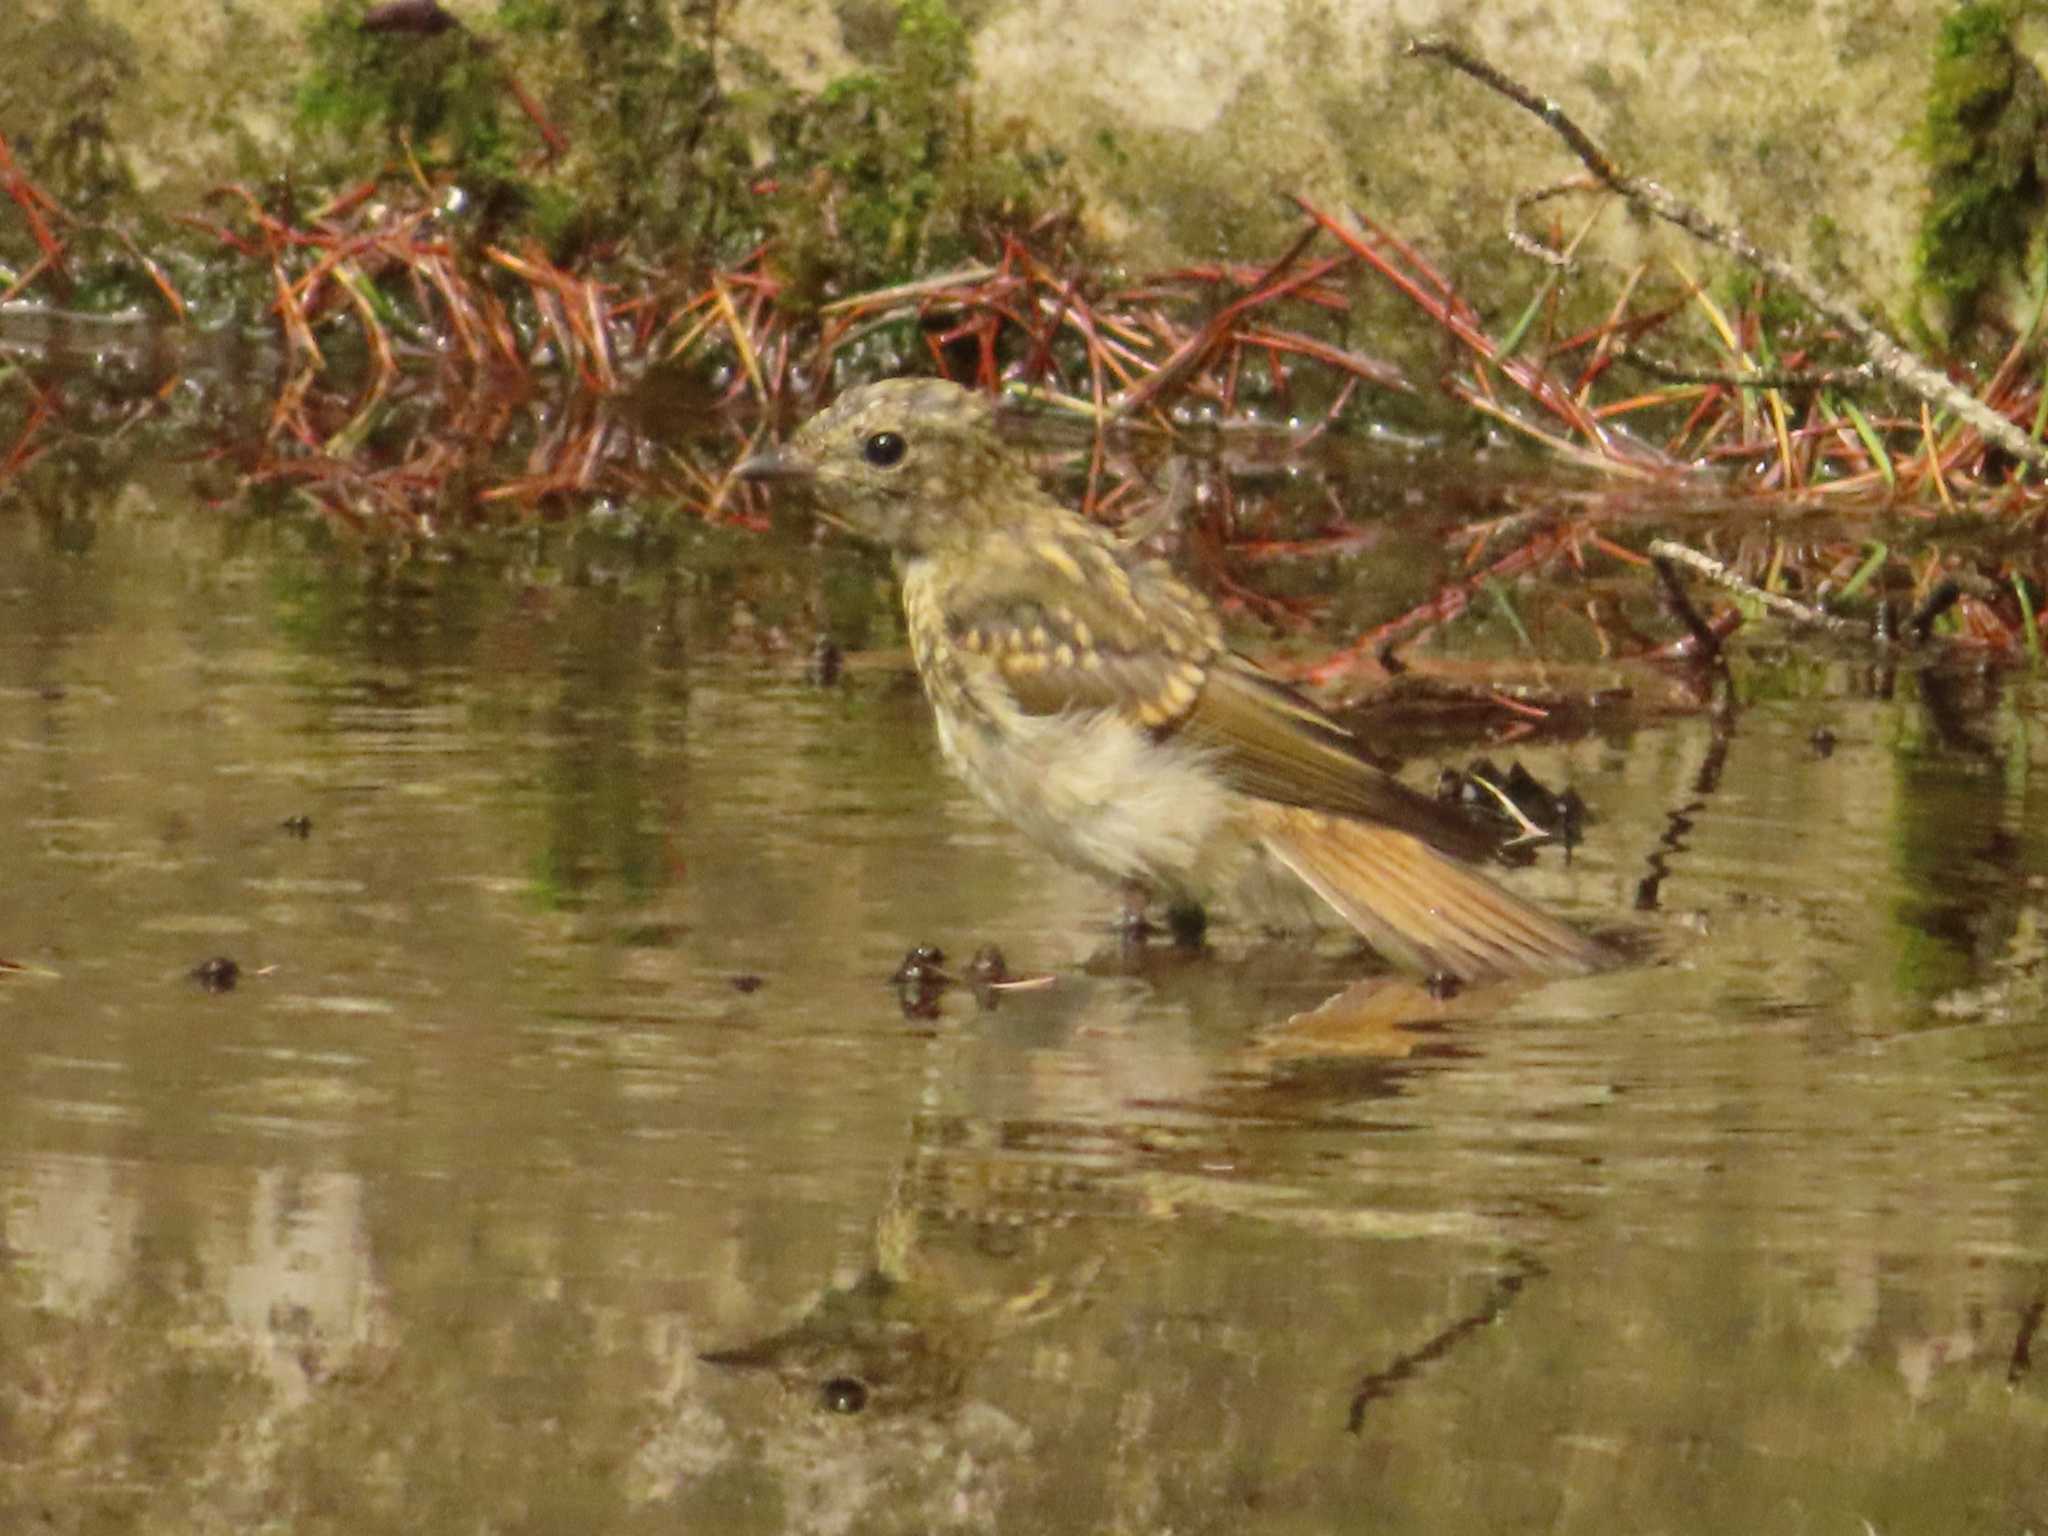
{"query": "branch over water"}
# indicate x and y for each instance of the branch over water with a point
(1887, 357)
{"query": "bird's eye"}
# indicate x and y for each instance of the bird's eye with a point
(884, 450)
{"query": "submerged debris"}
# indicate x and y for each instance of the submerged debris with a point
(1522, 807)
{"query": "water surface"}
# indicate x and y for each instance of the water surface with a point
(562, 1055)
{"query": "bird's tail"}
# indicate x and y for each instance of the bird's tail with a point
(1420, 908)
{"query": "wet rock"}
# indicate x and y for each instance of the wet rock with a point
(218, 974)
(921, 981)
(988, 966)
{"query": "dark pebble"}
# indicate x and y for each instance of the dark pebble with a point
(218, 974)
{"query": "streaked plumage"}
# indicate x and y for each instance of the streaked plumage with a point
(1089, 697)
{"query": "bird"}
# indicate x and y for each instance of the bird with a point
(1088, 695)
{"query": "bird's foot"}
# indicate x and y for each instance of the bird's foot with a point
(1132, 926)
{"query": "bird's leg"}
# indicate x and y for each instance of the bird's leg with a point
(1188, 922)
(1132, 926)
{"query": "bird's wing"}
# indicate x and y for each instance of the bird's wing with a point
(1148, 649)
(1068, 625)
(1418, 908)
(1271, 742)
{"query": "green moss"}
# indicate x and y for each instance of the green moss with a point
(886, 173)
(868, 29)
(1600, 81)
(439, 99)
(881, 174)
(1825, 236)
(653, 153)
(1987, 168)
(656, 158)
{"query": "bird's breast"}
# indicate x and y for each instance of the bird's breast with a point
(947, 675)
(1088, 785)
(1095, 791)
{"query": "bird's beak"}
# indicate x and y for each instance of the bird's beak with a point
(775, 464)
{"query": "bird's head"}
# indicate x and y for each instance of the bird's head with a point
(908, 463)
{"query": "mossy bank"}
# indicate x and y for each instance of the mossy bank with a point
(874, 139)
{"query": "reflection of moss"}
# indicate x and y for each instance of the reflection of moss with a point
(1987, 166)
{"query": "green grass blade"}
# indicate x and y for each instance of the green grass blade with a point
(1871, 442)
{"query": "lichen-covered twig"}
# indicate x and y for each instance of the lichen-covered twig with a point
(1887, 357)
(1531, 245)
(1797, 378)
(1786, 608)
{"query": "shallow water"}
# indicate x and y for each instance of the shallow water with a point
(562, 1055)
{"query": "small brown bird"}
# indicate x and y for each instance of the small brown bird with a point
(1087, 695)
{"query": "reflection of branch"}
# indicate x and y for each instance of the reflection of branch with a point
(1679, 822)
(1706, 641)
(2023, 1345)
(1886, 356)
(1883, 630)
(1939, 599)
(1948, 713)
(1381, 1383)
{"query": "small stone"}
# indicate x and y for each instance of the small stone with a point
(218, 974)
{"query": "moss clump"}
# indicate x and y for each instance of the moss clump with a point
(683, 145)
(438, 96)
(1987, 162)
(886, 173)
(658, 149)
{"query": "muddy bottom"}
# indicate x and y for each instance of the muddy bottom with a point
(557, 1053)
